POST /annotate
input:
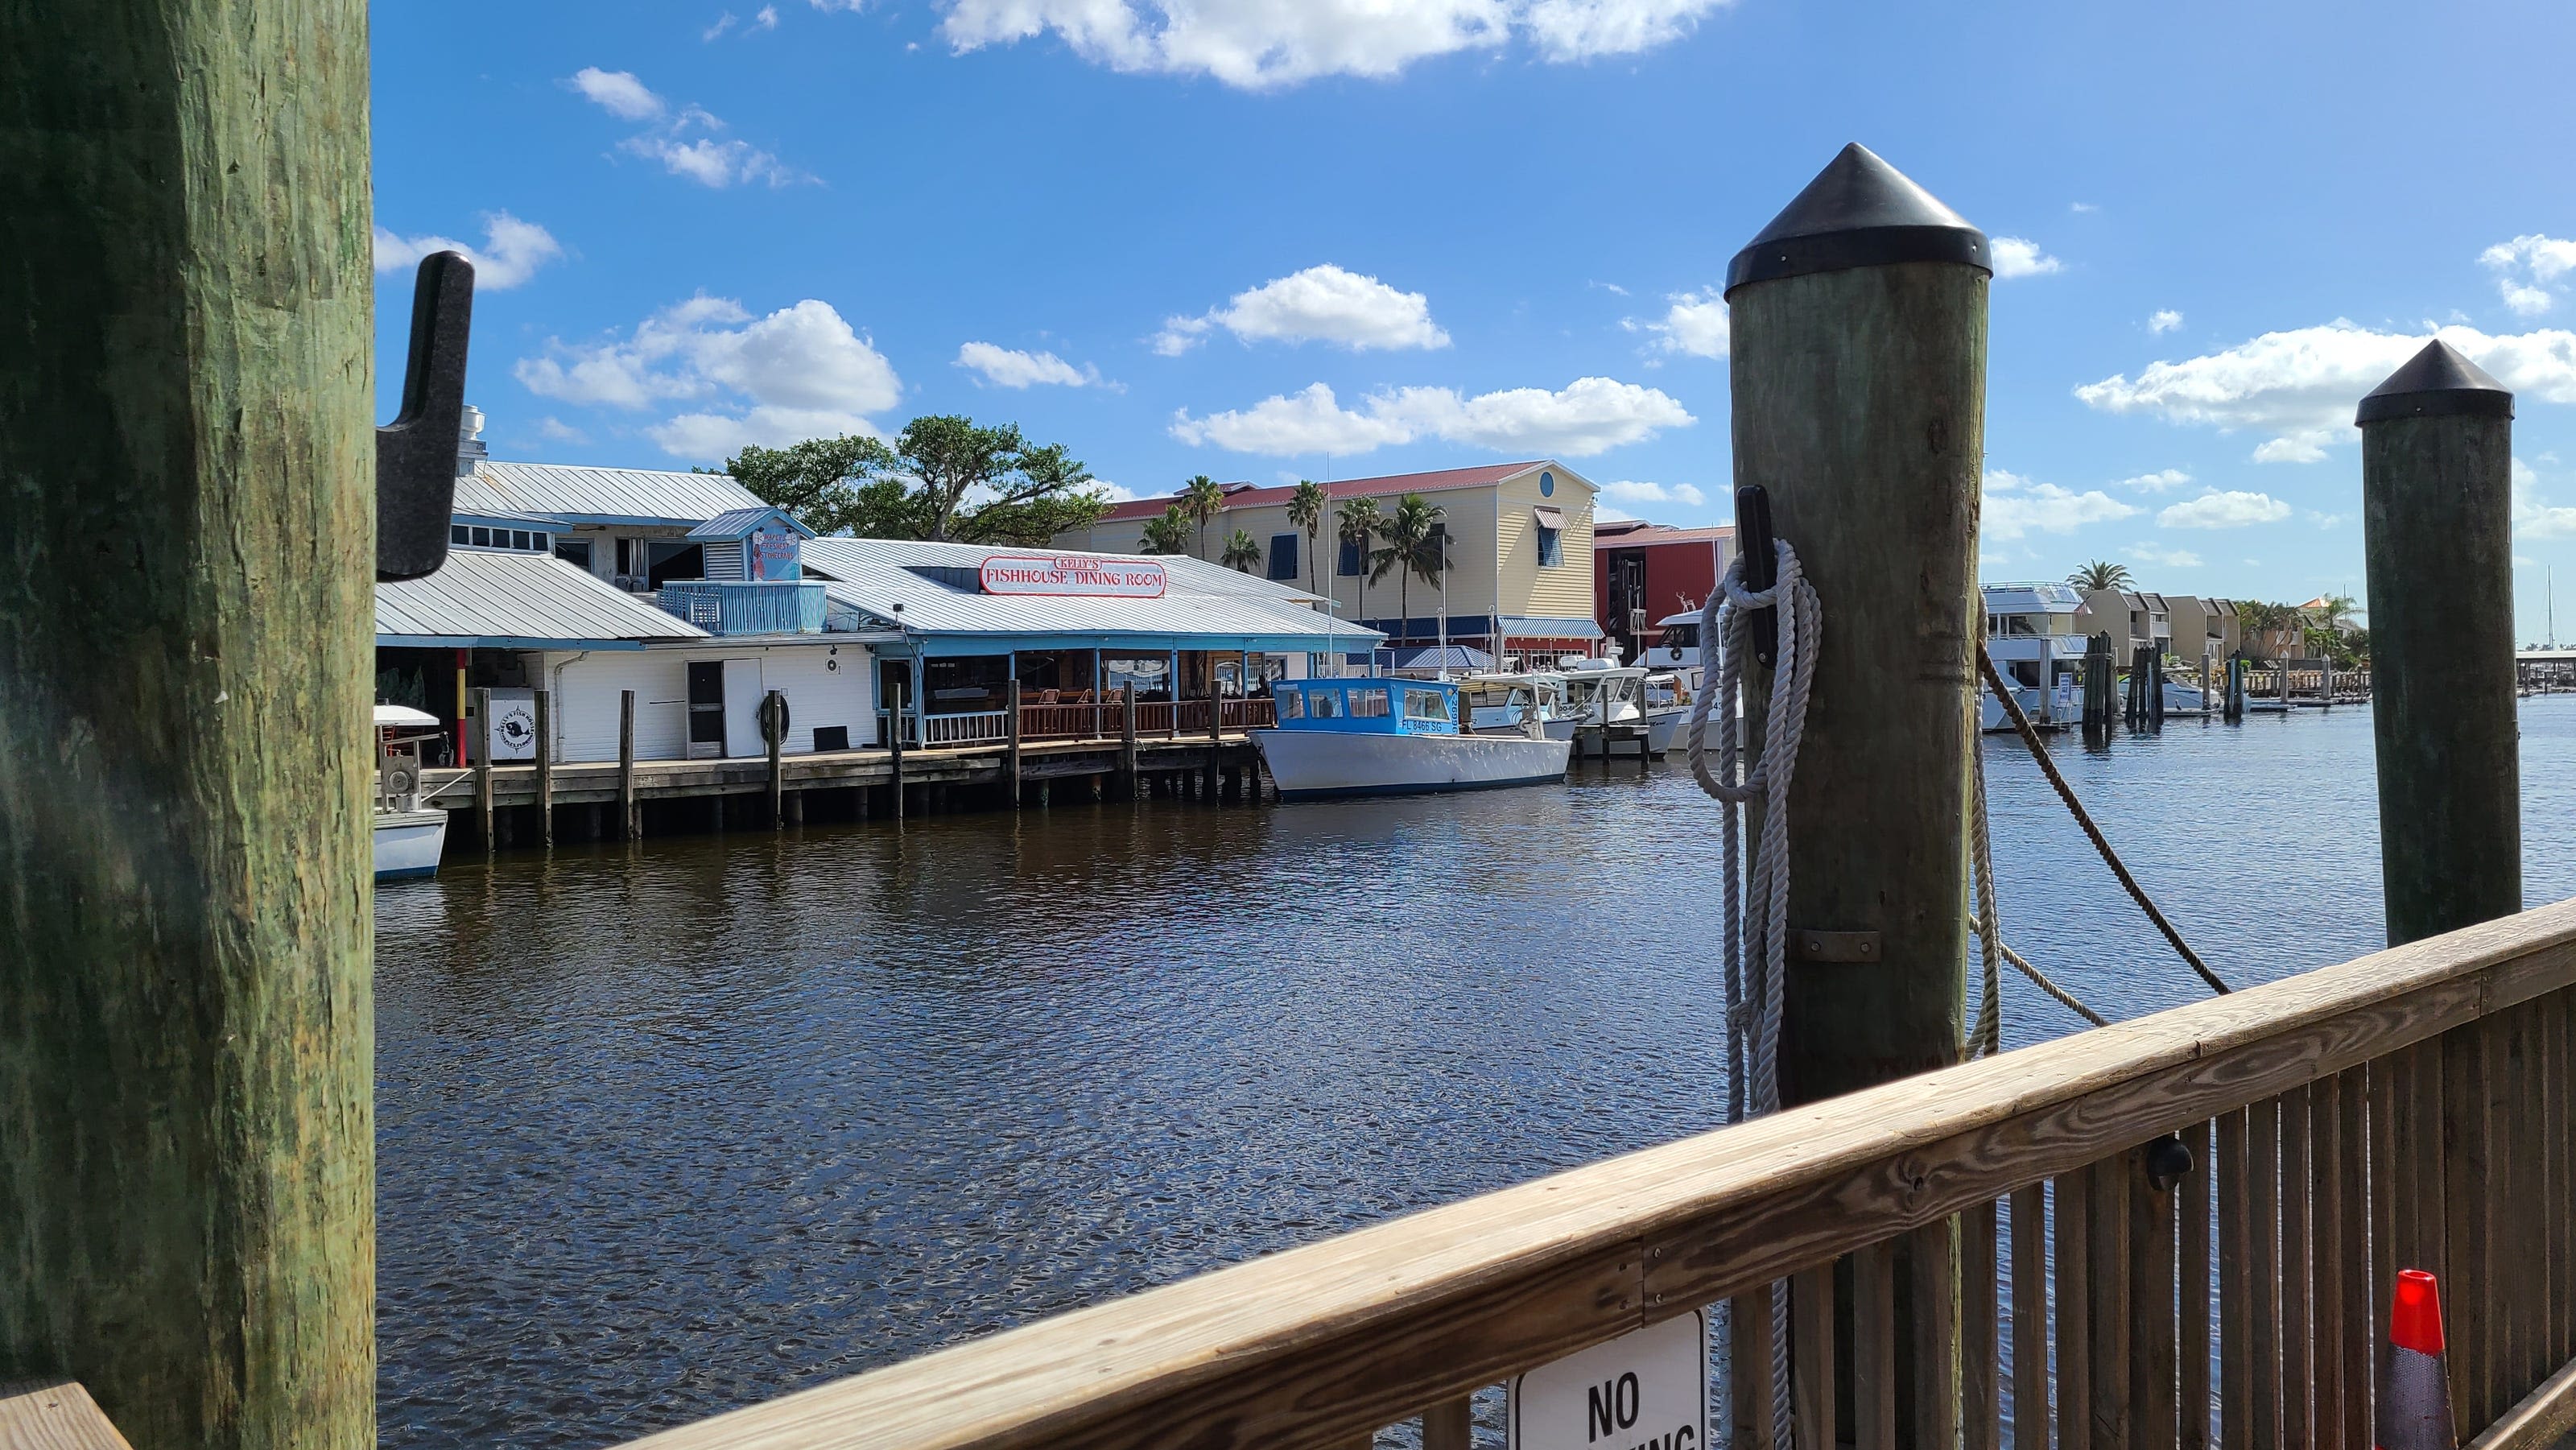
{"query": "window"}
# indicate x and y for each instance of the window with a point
(1292, 704)
(539, 542)
(1324, 704)
(1547, 485)
(1283, 556)
(1425, 705)
(1348, 564)
(575, 552)
(482, 537)
(518, 538)
(1551, 547)
(459, 534)
(1369, 703)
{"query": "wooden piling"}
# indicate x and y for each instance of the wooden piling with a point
(1127, 741)
(773, 732)
(1216, 740)
(186, 943)
(1859, 321)
(1011, 742)
(630, 822)
(483, 827)
(2437, 525)
(894, 749)
(545, 701)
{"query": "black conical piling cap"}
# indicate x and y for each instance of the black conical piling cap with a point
(2436, 383)
(1858, 212)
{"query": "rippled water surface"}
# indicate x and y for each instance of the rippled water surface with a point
(670, 1128)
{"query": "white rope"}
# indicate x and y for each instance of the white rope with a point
(1756, 940)
(1987, 1037)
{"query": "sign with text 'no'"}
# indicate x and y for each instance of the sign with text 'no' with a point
(1072, 574)
(1645, 1390)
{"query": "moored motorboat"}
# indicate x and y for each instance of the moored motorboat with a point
(1367, 736)
(409, 838)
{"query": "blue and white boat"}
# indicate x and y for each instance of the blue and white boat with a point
(1374, 736)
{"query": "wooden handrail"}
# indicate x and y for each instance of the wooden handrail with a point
(54, 1415)
(1316, 1345)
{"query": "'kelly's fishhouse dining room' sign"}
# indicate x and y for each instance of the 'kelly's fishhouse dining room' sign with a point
(1072, 574)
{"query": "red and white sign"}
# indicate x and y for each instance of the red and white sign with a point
(1072, 574)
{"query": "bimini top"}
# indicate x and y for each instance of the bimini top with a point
(973, 599)
(1364, 706)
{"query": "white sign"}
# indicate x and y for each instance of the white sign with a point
(1645, 1390)
(511, 732)
(1072, 574)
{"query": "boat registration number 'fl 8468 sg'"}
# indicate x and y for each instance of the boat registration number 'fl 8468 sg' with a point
(1645, 1390)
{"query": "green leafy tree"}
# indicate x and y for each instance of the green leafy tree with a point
(1357, 523)
(1413, 550)
(2267, 632)
(944, 477)
(2101, 574)
(831, 485)
(1242, 552)
(1168, 534)
(1202, 498)
(1306, 512)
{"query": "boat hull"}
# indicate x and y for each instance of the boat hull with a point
(1317, 764)
(408, 843)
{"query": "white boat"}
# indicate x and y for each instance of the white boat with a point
(1501, 704)
(409, 837)
(1668, 707)
(1342, 737)
(2030, 631)
(2183, 699)
(1677, 648)
(1598, 691)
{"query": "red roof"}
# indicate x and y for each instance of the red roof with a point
(1246, 497)
(1642, 538)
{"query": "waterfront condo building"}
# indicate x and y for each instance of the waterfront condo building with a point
(1518, 540)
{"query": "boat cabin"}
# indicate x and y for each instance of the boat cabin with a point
(1368, 706)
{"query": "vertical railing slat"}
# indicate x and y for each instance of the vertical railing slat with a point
(1933, 1265)
(2263, 1270)
(2153, 1414)
(2326, 1254)
(2072, 1221)
(2236, 1285)
(2386, 1075)
(2298, 1358)
(1981, 1399)
(1449, 1425)
(2468, 1235)
(2194, 1302)
(2030, 1335)
(1811, 1343)
(2355, 1343)
(2107, 1274)
(1750, 1413)
(1874, 1387)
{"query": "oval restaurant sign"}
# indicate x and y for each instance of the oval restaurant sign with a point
(1072, 574)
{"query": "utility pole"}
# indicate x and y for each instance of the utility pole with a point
(2437, 532)
(1859, 402)
(187, 1178)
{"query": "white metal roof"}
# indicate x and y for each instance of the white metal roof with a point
(1201, 600)
(734, 523)
(585, 495)
(514, 600)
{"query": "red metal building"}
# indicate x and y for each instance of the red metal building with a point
(1644, 571)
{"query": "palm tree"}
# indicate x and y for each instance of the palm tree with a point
(2336, 612)
(1169, 534)
(1359, 520)
(2268, 631)
(1242, 552)
(1202, 498)
(1413, 540)
(2102, 574)
(1306, 511)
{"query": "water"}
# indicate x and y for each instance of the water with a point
(675, 1128)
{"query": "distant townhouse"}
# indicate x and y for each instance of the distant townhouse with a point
(2133, 618)
(2204, 628)
(1645, 573)
(1518, 536)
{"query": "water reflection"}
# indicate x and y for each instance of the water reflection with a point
(672, 1127)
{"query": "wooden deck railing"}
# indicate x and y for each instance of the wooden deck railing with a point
(2410, 1109)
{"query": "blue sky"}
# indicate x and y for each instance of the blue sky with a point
(1263, 240)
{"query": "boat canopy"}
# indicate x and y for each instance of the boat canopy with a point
(397, 717)
(1368, 705)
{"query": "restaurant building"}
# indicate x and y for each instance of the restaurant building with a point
(1518, 538)
(1644, 573)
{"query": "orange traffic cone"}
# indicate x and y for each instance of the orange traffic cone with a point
(2414, 1387)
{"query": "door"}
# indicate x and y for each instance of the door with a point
(742, 694)
(706, 709)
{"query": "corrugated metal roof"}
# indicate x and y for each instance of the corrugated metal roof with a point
(734, 523)
(498, 599)
(1648, 538)
(1200, 599)
(600, 495)
(1244, 496)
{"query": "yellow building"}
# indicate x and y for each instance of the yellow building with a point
(1519, 545)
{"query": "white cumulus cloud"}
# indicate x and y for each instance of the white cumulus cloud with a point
(2016, 505)
(2170, 558)
(1587, 416)
(2528, 269)
(1009, 368)
(617, 92)
(800, 372)
(2533, 516)
(2021, 257)
(1694, 325)
(2158, 481)
(1320, 304)
(685, 144)
(2301, 385)
(1265, 44)
(2232, 509)
(511, 253)
(2165, 319)
(1631, 491)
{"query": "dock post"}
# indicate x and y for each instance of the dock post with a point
(2437, 522)
(1011, 741)
(483, 772)
(1127, 741)
(1859, 381)
(546, 769)
(188, 1220)
(629, 824)
(773, 733)
(894, 744)
(1216, 739)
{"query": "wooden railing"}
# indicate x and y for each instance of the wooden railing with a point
(2410, 1109)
